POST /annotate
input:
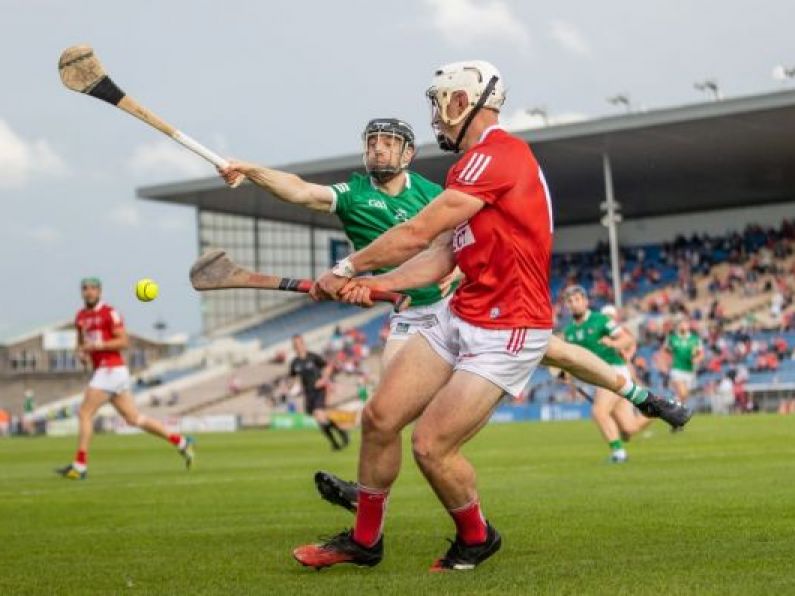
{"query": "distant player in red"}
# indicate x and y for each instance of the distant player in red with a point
(494, 220)
(100, 338)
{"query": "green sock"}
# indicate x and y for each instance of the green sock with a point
(616, 445)
(634, 393)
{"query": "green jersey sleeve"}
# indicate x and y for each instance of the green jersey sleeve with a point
(343, 194)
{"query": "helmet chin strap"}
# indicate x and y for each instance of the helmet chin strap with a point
(444, 142)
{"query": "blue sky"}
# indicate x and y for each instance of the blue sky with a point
(282, 82)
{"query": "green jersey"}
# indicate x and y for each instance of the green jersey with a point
(683, 350)
(366, 213)
(590, 332)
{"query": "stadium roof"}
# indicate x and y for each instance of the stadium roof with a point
(735, 152)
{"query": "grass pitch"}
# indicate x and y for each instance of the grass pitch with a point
(710, 511)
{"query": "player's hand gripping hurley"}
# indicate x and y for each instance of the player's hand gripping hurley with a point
(216, 271)
(81, 71)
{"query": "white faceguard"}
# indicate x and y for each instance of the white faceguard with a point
(471, 77)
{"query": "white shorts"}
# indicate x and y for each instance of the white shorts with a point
(113, 380)
(683, 376)
(506, 357)
(403, 325)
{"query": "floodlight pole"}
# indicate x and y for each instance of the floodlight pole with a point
(610, 220)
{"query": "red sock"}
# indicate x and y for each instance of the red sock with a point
(370, 513)
(470, 524)
(81, 457)
(175, 439)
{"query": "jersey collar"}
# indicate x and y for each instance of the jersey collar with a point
(97, 306)
(489, 129)
(406, 182)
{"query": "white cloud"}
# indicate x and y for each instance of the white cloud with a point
(523, 120)
(22, 159)
(43, 234)
(570, 38)
(125, 215)
(165, 157)
(462, 22)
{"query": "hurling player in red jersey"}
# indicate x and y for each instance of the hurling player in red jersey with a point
(100, 338)
(494, 220)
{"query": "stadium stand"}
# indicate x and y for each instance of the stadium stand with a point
(737, 288)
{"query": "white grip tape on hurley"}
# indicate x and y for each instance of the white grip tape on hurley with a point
(199, 149)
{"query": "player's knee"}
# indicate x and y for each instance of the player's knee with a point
(134, 419)
(426, 448)
(375, 420)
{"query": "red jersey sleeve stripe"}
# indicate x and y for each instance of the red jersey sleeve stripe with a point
(471, 165)
(475, 175)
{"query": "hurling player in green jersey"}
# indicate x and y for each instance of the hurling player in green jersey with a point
(603, 336)
(686, 352)
(367, 206)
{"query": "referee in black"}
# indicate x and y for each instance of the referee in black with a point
(315, 375)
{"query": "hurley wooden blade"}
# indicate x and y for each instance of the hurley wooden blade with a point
(81, 71)
(213, 270)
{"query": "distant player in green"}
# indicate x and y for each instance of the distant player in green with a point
(686, 352)
(601, 335)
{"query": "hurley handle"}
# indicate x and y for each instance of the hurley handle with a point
(399, 301)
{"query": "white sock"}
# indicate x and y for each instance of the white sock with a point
(633, 392)
(79, 467)
(183, 442)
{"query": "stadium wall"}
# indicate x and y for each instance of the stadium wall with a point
(653, 230)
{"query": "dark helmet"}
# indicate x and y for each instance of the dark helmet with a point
(388, 126)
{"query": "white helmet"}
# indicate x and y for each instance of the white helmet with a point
(482, 83)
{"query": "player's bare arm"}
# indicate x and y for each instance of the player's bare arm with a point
(82, 354)
(622, 340)
(119, 341)
(283, 185)
(427, 267)
(402, 242)
(447, 282)
(698, 356)
(325, 376)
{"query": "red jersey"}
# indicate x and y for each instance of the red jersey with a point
(97, 325)
(505, 249)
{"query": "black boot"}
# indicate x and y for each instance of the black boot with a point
(325, 428)
(344, 439)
